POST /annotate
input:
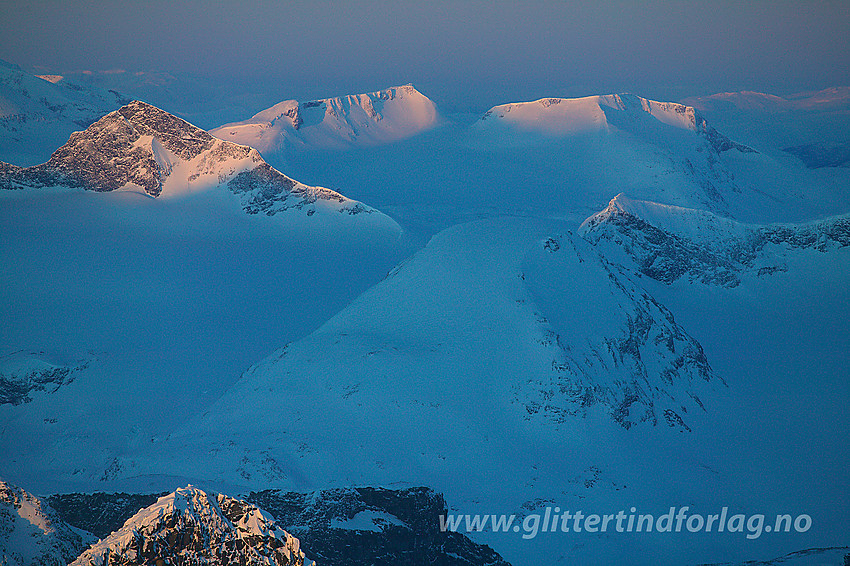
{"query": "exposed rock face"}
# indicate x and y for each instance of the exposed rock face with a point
(650, 238)
(141, 146)
(128, 146)
(348, 526)
(265, 190)
(32, 534)
(190, 526)
(611, 342)
(22, 373)
(374, 526)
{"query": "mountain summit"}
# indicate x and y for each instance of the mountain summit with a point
(31, 532)
(567, 116)
(354, 120)
(190, 526)
(142, 148)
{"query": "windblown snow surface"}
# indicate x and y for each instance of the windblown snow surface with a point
(615, 303)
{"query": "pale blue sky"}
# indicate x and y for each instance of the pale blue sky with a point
(482, 53)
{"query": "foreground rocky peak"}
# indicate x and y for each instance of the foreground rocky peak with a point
(190, 526)
(351, 526)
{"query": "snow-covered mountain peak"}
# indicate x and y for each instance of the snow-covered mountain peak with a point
(201, 527)
(696, 223)
(646, 367)
(142, 148)
(594, 108)
(559, 117)
(354, 120)
(554, 116)
(670, 242)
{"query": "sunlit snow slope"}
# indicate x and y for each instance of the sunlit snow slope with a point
(354, 120)
(31, 533)
(568, 158)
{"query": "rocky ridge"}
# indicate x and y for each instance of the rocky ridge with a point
(667, 243)
(360, 526)
(140, 146)
(191, 526)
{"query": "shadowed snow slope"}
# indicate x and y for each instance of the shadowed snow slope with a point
(489, 320)
(509, 348)
(499, 336)
(145, 232)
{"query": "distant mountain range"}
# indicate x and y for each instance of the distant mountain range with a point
(355, 120)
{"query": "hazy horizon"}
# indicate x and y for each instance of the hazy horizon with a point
(467, 56)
